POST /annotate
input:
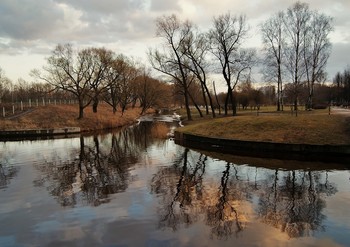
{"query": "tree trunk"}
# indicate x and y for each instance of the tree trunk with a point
(195, 104)
(205, 99)
(94, 105)
(217, 100)
(233, 103)
(81, 112)
(188, 110)
(227, 100)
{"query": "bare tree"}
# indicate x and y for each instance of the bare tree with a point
(102, 61)
(273, 40)
(298, 40)
(226, 38)
(317, 50)
(241, 67)
(113, 77)
(296, 24)
(70, 71)
(126, 86)
(171, 60)
(151, 92)
(5, 85)
(196, 47)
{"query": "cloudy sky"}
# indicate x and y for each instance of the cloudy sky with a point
(30, 29)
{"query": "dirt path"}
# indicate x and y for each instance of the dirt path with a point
(20, 114)
(340, 111)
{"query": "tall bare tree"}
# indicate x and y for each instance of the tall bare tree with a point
(196, 47)
(226, 38)
(126, 85)
(113, 79)
(317, 50)
(70, 71)
(273, 40)
(296, 24)
(102, 60)
(170, 61)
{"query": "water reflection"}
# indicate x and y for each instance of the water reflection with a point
(180, 187)
(6, 174)
(7, 171)
(104, 188)
(291, 201)
(100, 167)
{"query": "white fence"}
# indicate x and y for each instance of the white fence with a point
(10, 109)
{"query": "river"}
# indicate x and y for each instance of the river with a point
(131, 188)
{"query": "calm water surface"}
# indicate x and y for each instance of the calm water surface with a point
(130, 188)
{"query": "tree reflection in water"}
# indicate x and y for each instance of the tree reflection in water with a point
(224, 217)
(181, 188)
(291, 201)
(7, 171)
(6, 174)
(186, 199)
(98, 168)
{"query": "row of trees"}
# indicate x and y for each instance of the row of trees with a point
(341, 83)
(296, 49)
(246, 94)
(186, 53)
(94, 74)
(23, 91)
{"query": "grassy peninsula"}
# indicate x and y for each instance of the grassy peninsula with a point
(309, 127)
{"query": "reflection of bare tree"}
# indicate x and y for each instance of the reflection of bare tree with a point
(6, 174)
(181, 187)
(289, 200)
(293, 202)
(98, 168)
(186, 198)
(224, 214)
(94, 171)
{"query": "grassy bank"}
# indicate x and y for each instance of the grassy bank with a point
(58, 116)
(315, 127)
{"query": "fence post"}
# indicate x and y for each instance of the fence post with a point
(30, 103)
(13, 109)
(37, 102)
(21, 105)
(3, 111)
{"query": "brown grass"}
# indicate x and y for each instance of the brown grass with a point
(57, 116)
(316, 127)
(160, 130)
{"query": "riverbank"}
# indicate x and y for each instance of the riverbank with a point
(63, 116)
(310, 127)
(316, 135)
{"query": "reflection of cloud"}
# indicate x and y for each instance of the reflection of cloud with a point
(337, 208)
(73, 233)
